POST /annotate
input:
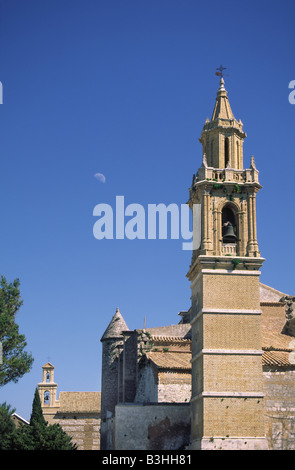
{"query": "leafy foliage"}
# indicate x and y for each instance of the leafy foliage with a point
(38, 435)
(7, 426)
(16, 361)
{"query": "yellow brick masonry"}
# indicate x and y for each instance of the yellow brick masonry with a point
(227, 390)
(237, 290)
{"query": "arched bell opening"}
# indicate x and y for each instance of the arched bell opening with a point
(46, 397)
(229, 231)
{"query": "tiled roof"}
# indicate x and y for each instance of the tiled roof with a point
(272, 323)
(79, 402)
(171, 360)
(269, 294)
(174, 339)
(278, 358)
(181, 330)
(181, 361)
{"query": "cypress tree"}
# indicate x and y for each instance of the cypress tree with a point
(37, 418)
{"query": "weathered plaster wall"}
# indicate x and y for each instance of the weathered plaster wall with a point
(147, 390)
(152, 427)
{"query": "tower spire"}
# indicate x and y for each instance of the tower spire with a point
(222, 137)
(222, 109)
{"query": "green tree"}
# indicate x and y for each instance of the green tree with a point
(16, 361)
(53, 437)
(37, 417)
(37, 435)
(46, 436)
(7, 426)
(40, 435)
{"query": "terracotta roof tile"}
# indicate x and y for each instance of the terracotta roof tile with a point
(171, 360)
(79, 402)
(173, 339)
(181, 361)
(272, 322)
(278, 358)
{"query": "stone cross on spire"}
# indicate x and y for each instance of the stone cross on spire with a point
(220, 71)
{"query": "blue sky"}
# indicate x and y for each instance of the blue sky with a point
(123, 88)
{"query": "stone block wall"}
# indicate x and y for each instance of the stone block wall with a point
(169, 387)
(174, 387)
(279, 405)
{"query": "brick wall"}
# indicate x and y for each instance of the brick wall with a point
(227, 390)
(84, 430)
(228, 291)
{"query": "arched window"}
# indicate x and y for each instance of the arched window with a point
(229, 225)
(226, 151)
(46, 397)
(47, 377)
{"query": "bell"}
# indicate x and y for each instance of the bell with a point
(229, 234)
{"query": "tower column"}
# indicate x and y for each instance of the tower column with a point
(227, 390)
(216, 236)
(254, 224)
(242, 231)
(207, 243)
(252, 248)
(112, 374)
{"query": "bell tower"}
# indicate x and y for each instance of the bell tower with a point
(47, 391)
(226, 191)
(227, 390)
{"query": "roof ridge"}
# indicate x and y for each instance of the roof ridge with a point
(271, 348)
(170, 338)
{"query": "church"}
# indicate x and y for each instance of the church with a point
(222, 376)
(78, 413)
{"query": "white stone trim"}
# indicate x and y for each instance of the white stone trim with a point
(244, 352)
(225, 311)
(228, 395)
(245, 272)
(242, 311)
